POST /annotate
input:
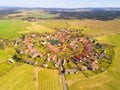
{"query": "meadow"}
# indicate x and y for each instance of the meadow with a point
(11, 28)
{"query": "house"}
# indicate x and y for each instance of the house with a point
(45, 65)
(71, 71)
(75, 60)
(63, 62)
(93, 66)
(30, 62)
(10, 60)
(56, 64)
(19, 51)
(84, 68)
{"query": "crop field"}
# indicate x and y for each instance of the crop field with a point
(27, 77)
(38, 28)
(14, 28)
(11, 28)
(90, 27)
(3, 56)
(49, 80)
(19, 78)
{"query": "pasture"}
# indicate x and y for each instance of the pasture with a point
(11, 28)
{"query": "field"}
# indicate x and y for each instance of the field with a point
(36, 14)
(3, 56)
(10, 29)
(24, 77)
(49, 80)
(90, 27)
(27, 77)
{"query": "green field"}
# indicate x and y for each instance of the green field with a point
(3, 56)
(10, 29)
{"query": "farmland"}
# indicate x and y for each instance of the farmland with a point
(34, 14)
(3, 56)
(11, 28)
(27, 77)
(23, 77)
(50, 81)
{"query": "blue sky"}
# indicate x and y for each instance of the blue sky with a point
(61, 3)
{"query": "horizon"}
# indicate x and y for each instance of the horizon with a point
(61, 4)
(57, 7)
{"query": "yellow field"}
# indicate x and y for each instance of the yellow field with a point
(27, 77)
(37, 28)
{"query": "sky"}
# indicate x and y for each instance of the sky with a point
(61, 3)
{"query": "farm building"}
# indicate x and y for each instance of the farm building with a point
(19, 51)
(71, 71)
(10, 60)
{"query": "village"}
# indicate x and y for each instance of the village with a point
(60, 49)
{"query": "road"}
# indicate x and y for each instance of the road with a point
(63, 81)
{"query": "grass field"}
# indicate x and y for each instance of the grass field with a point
(11, 28)
(14, 28)
(5, 67)
(3, 56)
(90, 27)
(49, 80)
(27, 77)
(19, 78)
(38, 28)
